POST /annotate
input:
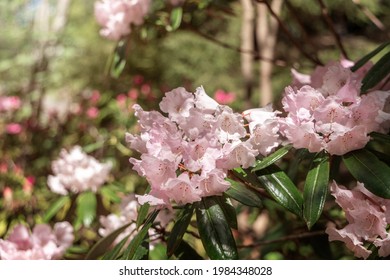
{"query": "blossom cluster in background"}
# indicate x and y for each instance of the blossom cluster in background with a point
(186, 156)
(76, 172)
(128, 215)
(43, 243)
(326, 111)
(117, 16)
(368, 217)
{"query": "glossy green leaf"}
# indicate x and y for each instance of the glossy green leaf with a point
(281, 188)
(55, 208)
(229, 210)
(139, 238)
(377, 73)
(102, 246)
(86, 208)
(316, 190)
(179, 228)
(271, 159)
(214, 230)
(368, 169)
(243, 194)
(367, 57)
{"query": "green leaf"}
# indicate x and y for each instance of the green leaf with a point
(179, 228)
(109, 194)
(55, 208)
(176, 17)
(377, 73)
(103, 244)
(368, 169)
(142, 213)
(138, 240)
(115, 252)
(119, 60)
(271, 159)
(281, 188)
(243, 194)
(367, 57)
(228, 210)
(86, 208)
(316, 190)
(214, 230)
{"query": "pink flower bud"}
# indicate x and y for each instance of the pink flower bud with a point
(13, 128)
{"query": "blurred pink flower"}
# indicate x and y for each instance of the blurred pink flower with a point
(43, 243)
(13, 128)
(146, 89)
(9, 103)
(117, 16)
(76, 172)
(121, 100)
(224, 97)
(93, 112)
(133, 94)
(8, 194)
(95, 97)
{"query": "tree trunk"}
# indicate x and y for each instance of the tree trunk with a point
(267, 31)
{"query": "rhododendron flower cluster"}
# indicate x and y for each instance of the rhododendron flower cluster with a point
(117, 16)
(186, 155)
(77, 172)
(325, 111)
(43, 243)
(128, 214)
(368, 216)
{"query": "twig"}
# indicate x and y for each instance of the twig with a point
(370, 15)
(288, 34)
(329, 22)
(283, 239)
(277, 62)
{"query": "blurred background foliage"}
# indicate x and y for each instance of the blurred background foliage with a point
(57, 72)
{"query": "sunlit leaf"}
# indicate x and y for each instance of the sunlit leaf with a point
(86, 208)
(367, 57)
(55, 208)
(377, 73)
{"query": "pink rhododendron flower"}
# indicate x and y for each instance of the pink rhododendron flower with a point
(13, 128)
(128, 214)
(43, 243)
(117, 16)
(368, 218)
(224, 97)
(186, 155)
(326, 112)
(264, 129)
(77, 172)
